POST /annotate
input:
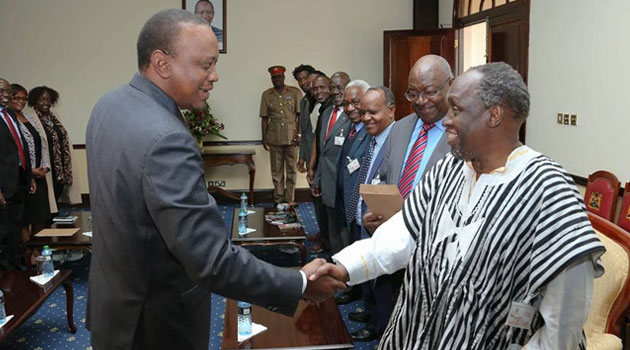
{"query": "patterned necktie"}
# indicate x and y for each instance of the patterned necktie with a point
(352, 133)
(14, 133)
(354, 196)
(405, 184)
(331, 122)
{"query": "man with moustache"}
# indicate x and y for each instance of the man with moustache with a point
(418, 140)
(377, 109)
(335, 128)
(349, 160)
(307, 103)
(160, 246)
(279, 110)
(15, 180)
(320, 89)
(495, 238)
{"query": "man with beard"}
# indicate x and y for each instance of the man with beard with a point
(279, 110)
(335, 128)
(498, 248)
(307, 103)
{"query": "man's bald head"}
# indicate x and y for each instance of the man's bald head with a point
(429, 80)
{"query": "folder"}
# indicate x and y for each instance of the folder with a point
(384, 200)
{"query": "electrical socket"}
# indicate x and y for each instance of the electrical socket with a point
(574, 119)
(565, 119)
(216, 183)
(559, 118)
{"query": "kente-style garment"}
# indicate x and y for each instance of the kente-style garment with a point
(482, 244)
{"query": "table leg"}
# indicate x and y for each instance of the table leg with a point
(302, 248)
(252, 175)
(67, 285)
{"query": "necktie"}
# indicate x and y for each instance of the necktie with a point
(352, 133)
(331, 122)
(354, 196)
(409, 173)
(14, 133)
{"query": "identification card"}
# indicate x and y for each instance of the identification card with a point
(339, 140)
(353, 166)
(521, 315)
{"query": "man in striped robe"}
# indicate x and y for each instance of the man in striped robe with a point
(498, 248)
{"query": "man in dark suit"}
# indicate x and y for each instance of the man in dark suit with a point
(15, 180)
(377, 109)
(160, 246)
(307, 103)
(335, 129)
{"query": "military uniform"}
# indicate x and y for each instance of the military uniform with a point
(282, 109)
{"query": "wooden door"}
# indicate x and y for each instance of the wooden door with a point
(402, 48)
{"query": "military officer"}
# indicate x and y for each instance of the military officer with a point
(279, 110)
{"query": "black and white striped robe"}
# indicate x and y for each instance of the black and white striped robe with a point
(482, 246)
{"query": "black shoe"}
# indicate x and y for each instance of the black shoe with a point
(359, 316)
(363, 335)
(346, 297)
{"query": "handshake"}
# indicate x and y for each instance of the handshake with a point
(323, 279)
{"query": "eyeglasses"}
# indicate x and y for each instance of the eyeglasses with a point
(354, 104)
(412, 96)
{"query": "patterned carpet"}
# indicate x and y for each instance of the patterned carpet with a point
(48, 329)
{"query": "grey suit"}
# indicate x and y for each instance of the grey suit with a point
(160, 246)
(397, 144)
(326, 173)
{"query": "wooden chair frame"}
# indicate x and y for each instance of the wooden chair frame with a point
(622, 212)
(618, 322)
(614, 182)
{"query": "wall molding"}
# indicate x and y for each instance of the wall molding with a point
(205, 143)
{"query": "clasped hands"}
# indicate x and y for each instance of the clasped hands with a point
(323, 280)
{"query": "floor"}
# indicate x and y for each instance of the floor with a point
(48, 329)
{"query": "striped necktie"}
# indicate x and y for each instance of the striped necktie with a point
(405, 184)
(354, 196)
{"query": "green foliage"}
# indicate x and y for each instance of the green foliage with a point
(203, 123)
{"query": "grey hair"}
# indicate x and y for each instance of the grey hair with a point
(161, 32)
(502, 85)
(389, 95)
(361, 84)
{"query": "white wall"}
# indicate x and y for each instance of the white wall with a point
(85, 48)
(578, 63)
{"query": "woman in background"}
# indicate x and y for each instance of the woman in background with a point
(41, 99)
(37, 206)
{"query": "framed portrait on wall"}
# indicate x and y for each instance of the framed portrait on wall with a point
(212, 11)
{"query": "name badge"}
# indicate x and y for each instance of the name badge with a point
(353, 166)
(339, 140)
(521, 315)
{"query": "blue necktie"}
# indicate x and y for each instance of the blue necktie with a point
(354, 196)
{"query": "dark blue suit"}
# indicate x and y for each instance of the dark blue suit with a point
(353, 149)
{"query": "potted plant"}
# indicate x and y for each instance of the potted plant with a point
(203, 123)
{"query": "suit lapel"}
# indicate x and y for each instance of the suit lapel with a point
(401, 143)
(361, 136)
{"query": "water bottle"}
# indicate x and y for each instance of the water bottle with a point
(242, 222)
(3, 313)
(244, 319)
(47, 269)
(244, 202)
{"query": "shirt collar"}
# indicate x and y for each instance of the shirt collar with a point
(358, 126)
(511, 159)
(438, 124)
(380, 138)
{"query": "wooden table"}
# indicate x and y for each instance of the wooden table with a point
(267, 234)
(22, 298)
(76, 241)
(232, 157)
(314, 326)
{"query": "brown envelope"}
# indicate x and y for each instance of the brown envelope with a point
(383, 200)
(57, 232)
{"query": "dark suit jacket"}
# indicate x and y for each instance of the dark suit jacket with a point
(12, 177)
(160, 246)
(397, 144)
(306, 130)
(345, 180)
(326, 174)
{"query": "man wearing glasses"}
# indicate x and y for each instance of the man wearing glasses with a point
(416, 143)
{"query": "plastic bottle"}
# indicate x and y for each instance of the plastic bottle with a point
(242, 222)
(3, 313)
(47, 269)
(244, 319)
(244, 202)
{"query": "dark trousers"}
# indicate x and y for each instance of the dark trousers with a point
(10, 227)
(380, 297)
(334, 231)
(322, 221)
